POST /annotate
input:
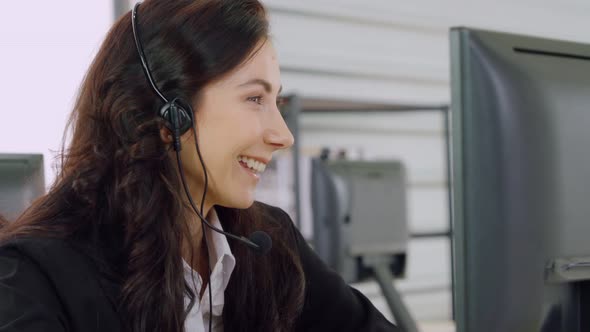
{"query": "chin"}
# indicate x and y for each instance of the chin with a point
(243, 202)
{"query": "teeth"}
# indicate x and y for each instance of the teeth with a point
(255, 165)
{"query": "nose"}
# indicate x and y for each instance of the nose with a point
(277, 133)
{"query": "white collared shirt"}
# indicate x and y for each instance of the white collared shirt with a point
(223, 263)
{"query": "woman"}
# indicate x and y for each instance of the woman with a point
(117, 244)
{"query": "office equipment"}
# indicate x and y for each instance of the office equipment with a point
(360, 225)
(21, 181)
(521, 182)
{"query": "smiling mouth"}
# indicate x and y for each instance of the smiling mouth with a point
(254, 166)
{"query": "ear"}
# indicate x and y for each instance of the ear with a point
(166, 135)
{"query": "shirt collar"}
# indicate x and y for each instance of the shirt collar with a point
(220, 257)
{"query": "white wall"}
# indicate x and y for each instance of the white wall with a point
(45, 49)
(397, 51)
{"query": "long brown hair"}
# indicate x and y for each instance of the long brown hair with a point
(118, 190)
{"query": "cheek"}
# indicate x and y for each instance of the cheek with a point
(243, 136)
(235, 189)
(221, 144)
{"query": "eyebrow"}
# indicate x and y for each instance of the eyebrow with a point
(265, 84)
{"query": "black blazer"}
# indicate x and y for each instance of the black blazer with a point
(47, 285)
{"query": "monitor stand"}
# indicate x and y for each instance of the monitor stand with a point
(380, 265)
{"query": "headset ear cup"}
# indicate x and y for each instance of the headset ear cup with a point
(185, 121)
(184, 118)
(165, 115)
(185, 115)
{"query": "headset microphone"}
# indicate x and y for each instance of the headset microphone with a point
(263, 241)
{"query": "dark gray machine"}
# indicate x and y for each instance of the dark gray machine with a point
(21, 181)
(521, 182)
(360, 224)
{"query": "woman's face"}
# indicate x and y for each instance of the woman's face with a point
(239, 127)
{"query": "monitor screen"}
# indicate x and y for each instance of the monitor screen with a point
(21, 181)
(520, 182)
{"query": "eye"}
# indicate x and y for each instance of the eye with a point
(281, 101)
(256, 99)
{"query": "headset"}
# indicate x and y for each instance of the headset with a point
(178, 118)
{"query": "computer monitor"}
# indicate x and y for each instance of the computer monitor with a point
(520, 182)
(359, 211)
(360, 224)
(22, 180)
